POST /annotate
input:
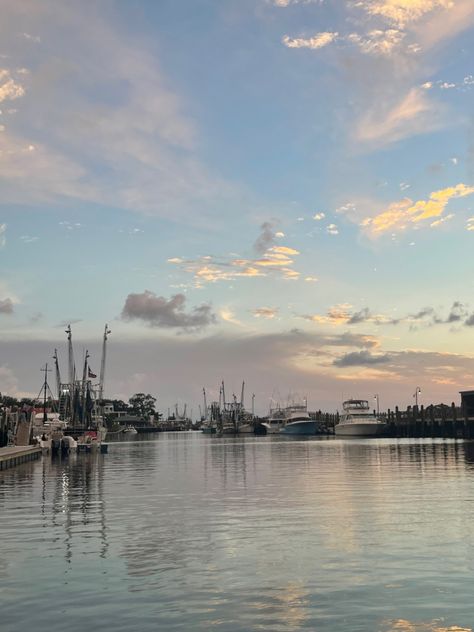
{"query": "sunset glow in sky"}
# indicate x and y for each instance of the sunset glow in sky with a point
(280, 191)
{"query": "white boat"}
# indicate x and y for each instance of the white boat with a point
(357, 420)
(275, 421)
(298, 422)
(129, 430)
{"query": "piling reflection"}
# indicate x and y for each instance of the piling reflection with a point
(72, 502)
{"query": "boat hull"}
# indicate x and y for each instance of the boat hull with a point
(309, 427)
(360, 430)
(209, 430)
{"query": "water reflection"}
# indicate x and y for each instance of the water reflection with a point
(186, 531)
(401, 625)
(72, 501)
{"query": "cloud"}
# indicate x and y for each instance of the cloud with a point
(377, 41)
(360, 317)
(319, 40)
(265, 312)
(374, 42)
(157, 311)
(386, 122)
(470, 223)
(319, 216)
(332, 229)
(6, 306)
(361, 358)
(3, 238)
(118, 133)
(407, 213)
(9, 88)
(402, 12)
(287, 3)
(266, 237)
(275, 260)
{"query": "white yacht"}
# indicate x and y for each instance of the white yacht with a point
(275, 421)
(298, 422)
(358, 421)
(129, 430)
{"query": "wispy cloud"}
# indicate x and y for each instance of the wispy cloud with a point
(386, 123)
(402, 12)
(318, 40)
(265, 312)
(138, 151)
(3, 235)
(407, 213)
(276, 260)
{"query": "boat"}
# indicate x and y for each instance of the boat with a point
(297, 421)
(358, 421)
(129, 430)
(275, 420)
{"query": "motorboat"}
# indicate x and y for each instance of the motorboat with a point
(358, 421)
(275, 420)
(129, 430)
(297, 421)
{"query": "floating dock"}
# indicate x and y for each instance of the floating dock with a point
(15, 455)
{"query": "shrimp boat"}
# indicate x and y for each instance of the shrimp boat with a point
(80, 400)
(357, 420)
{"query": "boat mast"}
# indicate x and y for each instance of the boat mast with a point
(242, 396)
(72, 370)
(58, 374)
(253, 405)
(102, 364)
(223, 395)
(205, 403)
(45, 392)
(84, 386)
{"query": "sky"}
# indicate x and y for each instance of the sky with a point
(275, 191)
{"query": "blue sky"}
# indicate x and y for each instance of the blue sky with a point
(280, 191)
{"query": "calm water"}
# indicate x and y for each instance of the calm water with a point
(188, 532)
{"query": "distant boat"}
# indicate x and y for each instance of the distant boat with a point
(129, 430)
(357, 420)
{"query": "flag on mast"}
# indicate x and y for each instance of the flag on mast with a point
(90, 374)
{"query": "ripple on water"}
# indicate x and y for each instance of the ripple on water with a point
(190, 532)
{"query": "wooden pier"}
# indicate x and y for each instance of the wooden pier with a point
(15, 455)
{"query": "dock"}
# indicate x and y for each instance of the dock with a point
(15, 455)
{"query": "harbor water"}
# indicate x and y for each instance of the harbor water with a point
(183, 531)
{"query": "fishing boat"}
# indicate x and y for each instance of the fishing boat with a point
(358, 421)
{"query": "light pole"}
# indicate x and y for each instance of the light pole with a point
(415, 395)
(376, 397)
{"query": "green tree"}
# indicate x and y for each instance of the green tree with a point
(143, 405)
